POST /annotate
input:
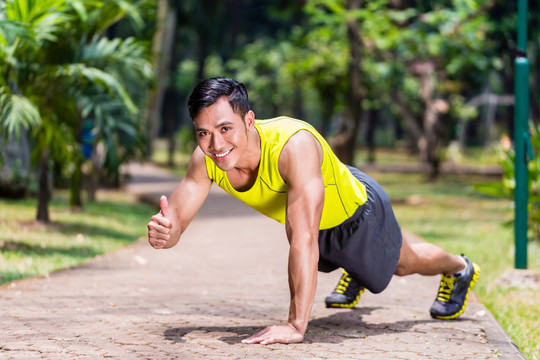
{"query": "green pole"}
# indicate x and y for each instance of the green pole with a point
(521, 132)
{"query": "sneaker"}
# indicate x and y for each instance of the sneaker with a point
(346, 294)
(453, 291)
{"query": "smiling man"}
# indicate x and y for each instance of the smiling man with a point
(335, 216)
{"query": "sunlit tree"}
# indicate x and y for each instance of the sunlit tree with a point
(55, 63)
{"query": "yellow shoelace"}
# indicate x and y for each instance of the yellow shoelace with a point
(445, 289)
(343, 283)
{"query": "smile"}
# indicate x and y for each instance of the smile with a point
(222, 154)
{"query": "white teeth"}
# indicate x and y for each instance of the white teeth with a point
(222, 155)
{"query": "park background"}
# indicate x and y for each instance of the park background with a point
(420, 95)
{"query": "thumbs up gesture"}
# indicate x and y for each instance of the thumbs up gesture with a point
(159, 227)
(164, 205)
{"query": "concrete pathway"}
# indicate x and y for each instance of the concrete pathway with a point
(225, 280)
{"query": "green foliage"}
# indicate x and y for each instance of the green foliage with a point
(505, 188)
(58, 70)
(266, 78)
(17, 111)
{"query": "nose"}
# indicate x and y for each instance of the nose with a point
(217, 142)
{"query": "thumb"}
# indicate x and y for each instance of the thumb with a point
(164, 205)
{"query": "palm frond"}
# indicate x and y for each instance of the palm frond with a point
(11, 29)
(98, 77)
(131, 11)
(125, 57)
(44, 17)
(80, 8)
(109, 12)
(17, 111)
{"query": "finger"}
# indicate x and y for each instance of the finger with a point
(252, 340)
(157, 244)
(269, 341)
(164, 205)
(159, 230)
(257, 337)
(158, 236)
(161, 220)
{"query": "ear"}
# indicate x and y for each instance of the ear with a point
(250, 120)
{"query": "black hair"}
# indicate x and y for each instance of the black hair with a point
(211, 90)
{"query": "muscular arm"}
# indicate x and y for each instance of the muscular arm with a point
(166, 227)
(300, 166)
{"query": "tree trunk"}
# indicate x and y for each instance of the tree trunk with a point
(44, 189)
(327, 98)
(345, 141)
(202, 54)
(172, 101)
(373, 117)
(429, 143)
(75, 200)
(414, 127)
(96, 159)
(161, 50)
(298, 107)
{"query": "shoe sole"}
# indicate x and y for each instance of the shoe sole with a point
(475, 277)
(345, 306)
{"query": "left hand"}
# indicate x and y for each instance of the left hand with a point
(284, 334)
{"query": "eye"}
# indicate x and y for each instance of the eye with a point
(225, 129)
(203, 133)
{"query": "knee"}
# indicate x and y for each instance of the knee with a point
(402, 270)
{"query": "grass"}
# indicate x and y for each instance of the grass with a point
(451, 214)
(29, 248)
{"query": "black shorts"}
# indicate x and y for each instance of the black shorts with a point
(368, 244)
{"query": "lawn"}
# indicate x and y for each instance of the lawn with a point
(451, 214)
(29, 248)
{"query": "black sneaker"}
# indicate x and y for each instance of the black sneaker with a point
(453, 291)
(346, 294)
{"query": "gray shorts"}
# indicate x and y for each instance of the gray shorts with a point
(368, 244)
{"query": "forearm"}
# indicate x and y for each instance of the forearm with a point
(303, 260)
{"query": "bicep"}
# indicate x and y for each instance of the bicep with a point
(300, 165)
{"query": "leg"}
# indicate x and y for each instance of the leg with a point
(426, 259)
(429, 259)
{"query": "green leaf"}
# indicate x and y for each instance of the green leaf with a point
(493, 189)
(17, 111)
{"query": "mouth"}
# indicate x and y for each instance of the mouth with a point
(222, 155)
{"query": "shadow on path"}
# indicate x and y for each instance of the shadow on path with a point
(332, 329)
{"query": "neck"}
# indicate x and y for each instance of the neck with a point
(252, 156)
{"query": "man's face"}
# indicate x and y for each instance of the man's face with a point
(222, 134)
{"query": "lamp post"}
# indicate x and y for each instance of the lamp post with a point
(521, 138)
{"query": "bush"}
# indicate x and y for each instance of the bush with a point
(505, 188)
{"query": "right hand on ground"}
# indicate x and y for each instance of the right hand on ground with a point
(159, 228)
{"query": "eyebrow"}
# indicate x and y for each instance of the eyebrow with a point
(218, 125)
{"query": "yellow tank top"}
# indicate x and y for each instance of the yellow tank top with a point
(343, 193)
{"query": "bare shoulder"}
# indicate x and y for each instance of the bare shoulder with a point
(302, 152)
(197, 166)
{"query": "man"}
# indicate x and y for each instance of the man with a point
(335, 216)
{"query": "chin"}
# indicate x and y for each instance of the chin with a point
(224, 167)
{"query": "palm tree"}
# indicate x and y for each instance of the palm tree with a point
(58, 59)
